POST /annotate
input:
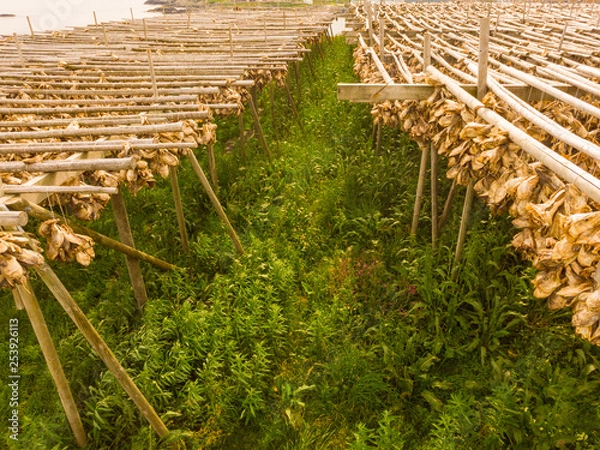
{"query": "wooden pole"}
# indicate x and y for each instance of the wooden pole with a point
(420, 189)
(13, 218)
(464, 221)
(292, 103)
(214, 200)
(434, 197)
(212, 166)
(105, 34)
(112, 164)
(426, 51)
(179, 209)
(95, 19)
(258, 127)
(52, 361)
(125, 235)
(481, 90)
(25, 189)
(132, 18)
(497, 22)
(91, 335)
(484, 34)
(562, 37)
(447, 206)
(242, 135)
(370, 23)
(273, 119)
(18, 301)
(230, 42)
(43, 214)
(382, 39)
(298, 83)
(19, 50)
(30, 27)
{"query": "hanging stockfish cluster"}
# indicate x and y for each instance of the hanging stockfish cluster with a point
(18, 253)
(65, 245)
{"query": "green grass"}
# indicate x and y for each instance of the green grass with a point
(336, 329)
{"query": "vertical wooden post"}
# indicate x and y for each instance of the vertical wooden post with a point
(466, 212)
(30, 27)
(126, 237)
(179, 209)
(484, 34)
(91, 335)
(105, 35)
(132, 18)
(292, 103)
(369, 23)
(434, 196)
(212, 166)
(426, 51)
(95, 19)
(152, 73)
(481, 90)
(272, 98)
(242, 135)
(54, 366)
(420, 189)
(447, 206)
(230, 42)
(382, 39)
(258, 127)
(562, 37)
(497, 23)
(214, 200)
(298, 83)
(19, 49)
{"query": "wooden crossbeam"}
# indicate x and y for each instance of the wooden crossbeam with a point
(378, 93)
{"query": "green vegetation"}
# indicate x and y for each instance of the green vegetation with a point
(336, 330)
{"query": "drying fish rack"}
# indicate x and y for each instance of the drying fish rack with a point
(89, 111)
(509, 93)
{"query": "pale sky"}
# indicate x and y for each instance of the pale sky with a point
(59, 14)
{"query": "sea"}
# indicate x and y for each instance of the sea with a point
(62, 14)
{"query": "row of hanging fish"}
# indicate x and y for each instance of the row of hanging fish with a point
(559, 227)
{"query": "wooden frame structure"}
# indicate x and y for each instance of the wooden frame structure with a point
(509, 93)
(87, 112)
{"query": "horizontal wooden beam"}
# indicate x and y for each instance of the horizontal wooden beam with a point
(378, 93)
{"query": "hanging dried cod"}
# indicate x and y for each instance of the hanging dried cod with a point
(17, 254)
(64, 245)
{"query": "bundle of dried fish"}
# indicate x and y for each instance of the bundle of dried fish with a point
(85, 207)
(64, 245)
(17, 254)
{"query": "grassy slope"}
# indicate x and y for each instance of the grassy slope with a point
(335, 330)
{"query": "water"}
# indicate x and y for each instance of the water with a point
(61, 14)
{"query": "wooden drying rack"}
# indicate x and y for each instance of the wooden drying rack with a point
(101, 77)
